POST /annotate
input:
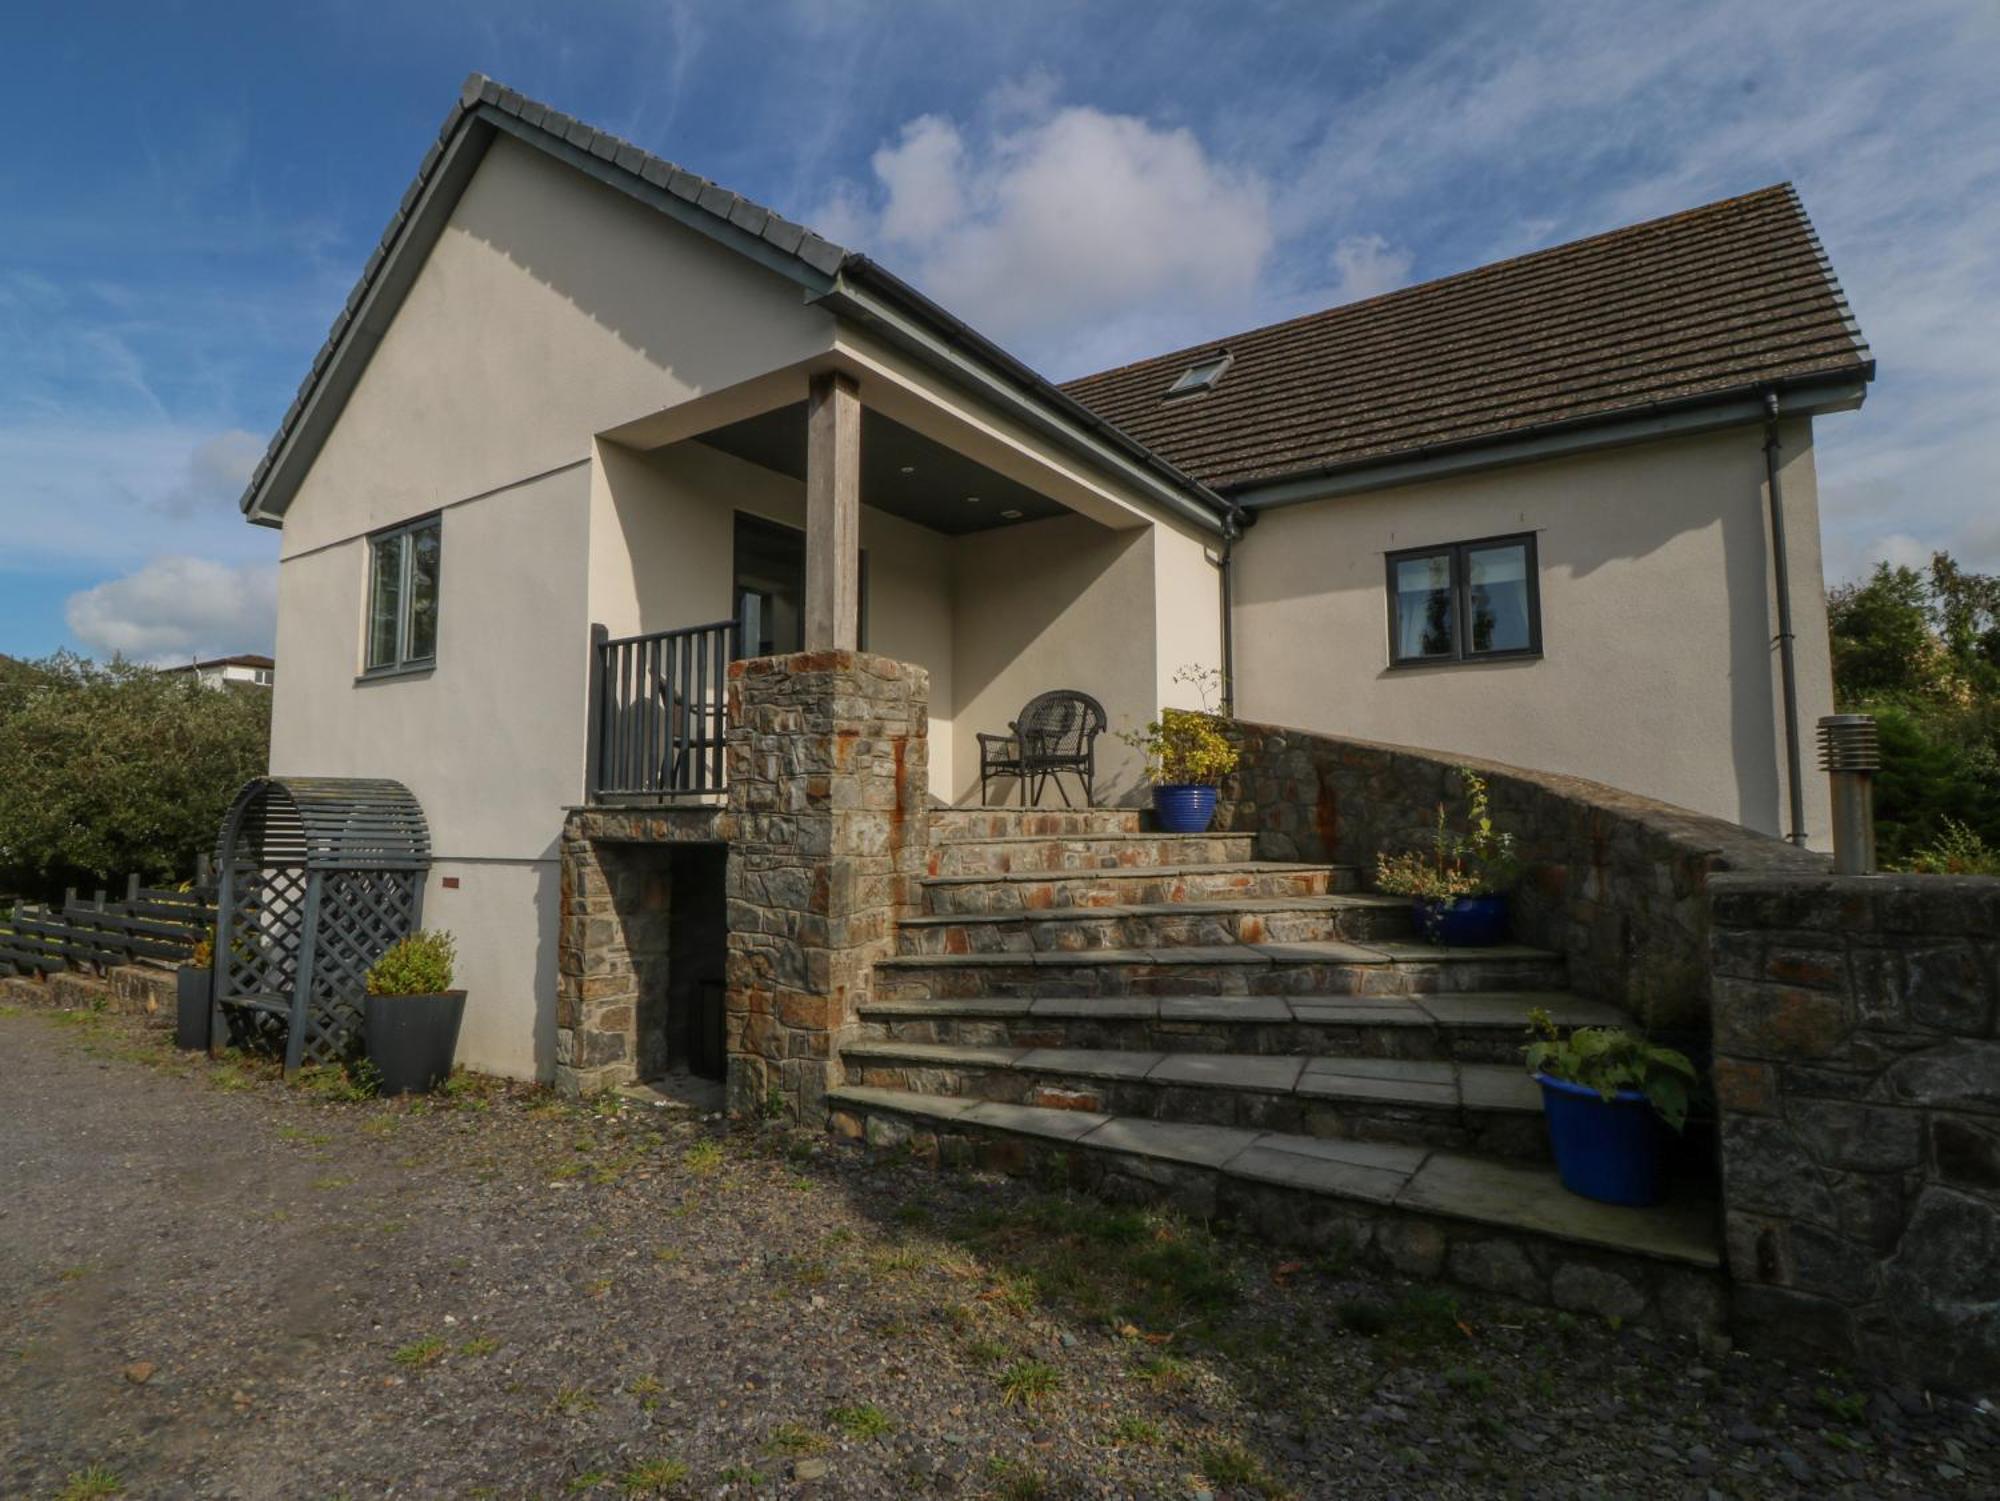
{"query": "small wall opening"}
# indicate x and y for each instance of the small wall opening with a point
(641, 989)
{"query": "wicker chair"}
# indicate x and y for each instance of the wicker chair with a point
(1056, 733)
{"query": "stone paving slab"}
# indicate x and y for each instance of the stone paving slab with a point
(1208, 1008)
(1098, 1007)
(1270, 1162)
(1089, 1063)
(1033, 1120)
(1141, 873)
(1481, 1008)
(1171, 1141)
(1267, 1075)
(975, 1007)
(1321, 951)
(935, 1054)
(1202, 907)
(1524, 1197)
(1404, 1084)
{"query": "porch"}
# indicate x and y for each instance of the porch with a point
(821, 512)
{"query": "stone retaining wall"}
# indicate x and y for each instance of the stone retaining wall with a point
(828, 827)
(1614, 881)
(1857, 1071)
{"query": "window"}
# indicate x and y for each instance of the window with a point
(1465, 602)
(771, 588)
(403, 597)
(1201, 375)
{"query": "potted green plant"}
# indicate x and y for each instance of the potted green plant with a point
(195, 996)
(411, 1017)
(1458, 887)
(1188, 754)
(1606, 1092)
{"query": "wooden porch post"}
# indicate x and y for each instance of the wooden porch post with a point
(833, 514)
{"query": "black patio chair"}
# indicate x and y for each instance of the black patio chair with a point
(1056, 733)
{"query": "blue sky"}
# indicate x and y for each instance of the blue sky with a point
(193, 188)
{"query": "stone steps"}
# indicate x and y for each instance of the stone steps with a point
(1037, 890)
(1503, 1227)
(1479, 1027)
(1495, 1109)
(1159, 925)
(1318, 968)
(1088, 851)
(1001, 823)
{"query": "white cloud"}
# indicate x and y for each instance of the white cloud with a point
(217, 470)
(1367, 266)
(177, 608)
(1061, 227)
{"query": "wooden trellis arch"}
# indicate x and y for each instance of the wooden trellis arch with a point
(316, 878)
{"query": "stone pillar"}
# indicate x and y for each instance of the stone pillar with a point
(828, 826)
(1857, 1085)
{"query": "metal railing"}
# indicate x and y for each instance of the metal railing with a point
(659, 711)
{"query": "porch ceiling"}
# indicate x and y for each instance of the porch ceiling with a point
(902, 471)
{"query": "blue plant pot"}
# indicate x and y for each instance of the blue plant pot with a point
(1464, 922)
(1183, 810)
(1608, 1150)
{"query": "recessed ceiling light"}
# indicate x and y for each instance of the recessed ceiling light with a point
(909, 469)
(972, 500)
(1010, 515)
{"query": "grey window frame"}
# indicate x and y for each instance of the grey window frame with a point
(1187, 384)
(403, 662)
(1461, 653)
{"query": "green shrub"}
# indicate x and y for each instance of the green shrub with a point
(1480, 861)
(1958, 851)
(1608, 1059)
(418, 965)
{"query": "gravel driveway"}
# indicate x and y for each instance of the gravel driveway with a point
(213, 1284)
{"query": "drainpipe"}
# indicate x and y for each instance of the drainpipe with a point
(1234, 523)
(1782, 581)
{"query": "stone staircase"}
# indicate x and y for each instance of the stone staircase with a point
(1164, 1016)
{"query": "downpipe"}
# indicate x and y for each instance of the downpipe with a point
(1787, 663)
(1234, 523)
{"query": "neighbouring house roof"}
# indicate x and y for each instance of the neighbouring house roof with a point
(248, 659)
(1735, 298)
(850, 284)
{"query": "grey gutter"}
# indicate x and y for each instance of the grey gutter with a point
(1583, 435)
(877, 298)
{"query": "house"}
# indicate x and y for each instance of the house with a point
(247, 670)
(675, 559)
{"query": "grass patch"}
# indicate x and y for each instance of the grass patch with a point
(1026, 1382)
(484, 1344)
(1469, 1381)
(572, 1400)
(1014, 1481)
(1145, 1267)
(860, 1420)
(1133, 1429)
(703, 1159)
(1236, 1469)
(419, 1353)
(654, 1477)
(794, 1438)
(1164, 1372)
(96, 1480)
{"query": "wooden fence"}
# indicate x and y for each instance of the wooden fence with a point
(151, 923)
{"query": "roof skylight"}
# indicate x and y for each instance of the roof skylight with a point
(1201, 375)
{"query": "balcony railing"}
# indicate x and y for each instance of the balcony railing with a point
(659, 712)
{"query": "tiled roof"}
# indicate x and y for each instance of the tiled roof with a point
(1732, 298)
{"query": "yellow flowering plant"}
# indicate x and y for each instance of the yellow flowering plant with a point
(1188, 747)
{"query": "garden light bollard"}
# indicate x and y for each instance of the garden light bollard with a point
(1850, 755)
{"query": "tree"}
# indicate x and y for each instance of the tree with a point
(1921, 651)
(112, 769)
